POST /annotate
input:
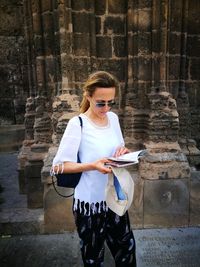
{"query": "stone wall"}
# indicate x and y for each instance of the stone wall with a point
(153, 49)
(13, 69)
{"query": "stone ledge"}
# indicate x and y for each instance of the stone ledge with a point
(21, 221)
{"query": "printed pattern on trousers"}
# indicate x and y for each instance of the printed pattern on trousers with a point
(107, 226)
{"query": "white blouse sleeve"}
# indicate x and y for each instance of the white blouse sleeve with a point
(69, 144)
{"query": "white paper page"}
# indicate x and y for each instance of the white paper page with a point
(132, 156)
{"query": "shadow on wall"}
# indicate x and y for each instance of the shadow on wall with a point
(11, 137)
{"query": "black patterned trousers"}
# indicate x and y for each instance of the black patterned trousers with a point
(97, 228)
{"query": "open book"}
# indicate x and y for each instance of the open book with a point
(126, 159)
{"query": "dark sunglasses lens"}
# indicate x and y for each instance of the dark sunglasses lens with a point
(101, 105)
(111, 104)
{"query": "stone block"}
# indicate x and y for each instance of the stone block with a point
(34, 193)
(144, 3)
(98, 25)
(171, 169)
(116, 67)
(174, 67)
(175, 43)
(133, 45)
(81, 69)
(193, 17)
(33, 180)
(144, 69)
(81, 5)
(10, 52)
(35, 6)
(81, 22)
(22, 182)
(81, 44)
(176, 13)
(144, 20)
(166, 203)
(58, 216)
(156, 45)
(65, 42)
(119, 45)
(117, 6)
(48, 23)
(48, 40)
(194, 68)
(193, 46)
(193, 94)
(136, 209)
(46, 5)
(104, 48)
(195, 199)
(132, 20)
(114, 25)
(36, 20)
(144, 43)
(11, 137)
(100, 7)
(38, 43)
(33, 170)
(11, 20)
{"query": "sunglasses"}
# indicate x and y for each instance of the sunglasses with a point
(101, 104)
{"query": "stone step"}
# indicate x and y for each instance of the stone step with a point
(11, 137)
(21, 221)
(15, 217)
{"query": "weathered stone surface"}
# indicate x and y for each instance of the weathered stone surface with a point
(117, 6)
(45, 173)
(195, 198)
(119, 46)
(114, 25)
(189, 148)
(34, 187)
(22, 160)
(136, 209)
(104, 48)
(11, 137)
(100, 7)
(166, 203)
(164, 161)
(58, 215)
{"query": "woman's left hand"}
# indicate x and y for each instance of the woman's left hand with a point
(121, 151)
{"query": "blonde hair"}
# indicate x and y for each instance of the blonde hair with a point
(99, 79)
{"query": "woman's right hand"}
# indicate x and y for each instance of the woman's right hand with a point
(100, 166)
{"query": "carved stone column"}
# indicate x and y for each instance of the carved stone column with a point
(165, 169)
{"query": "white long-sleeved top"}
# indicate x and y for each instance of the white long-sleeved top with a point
(92, 142)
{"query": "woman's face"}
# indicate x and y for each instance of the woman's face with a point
(101, 101)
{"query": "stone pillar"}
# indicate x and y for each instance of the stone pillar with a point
(151, 119)
(43, 80)
(57, 210)
(29, 140)
(165, 170)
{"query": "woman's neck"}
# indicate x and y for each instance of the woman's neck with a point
(100, 121)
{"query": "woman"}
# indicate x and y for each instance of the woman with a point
(99, 138)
